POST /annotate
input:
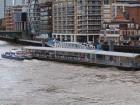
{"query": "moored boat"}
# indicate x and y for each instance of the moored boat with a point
(84, 56)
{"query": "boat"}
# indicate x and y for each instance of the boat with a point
(16, 54)
(85, 56)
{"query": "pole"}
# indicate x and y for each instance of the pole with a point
(4, 8)
(14, 2)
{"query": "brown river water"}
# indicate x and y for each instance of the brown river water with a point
(35, 82)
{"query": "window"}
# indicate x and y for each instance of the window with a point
(106, 2)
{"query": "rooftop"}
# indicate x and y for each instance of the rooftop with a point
(100, 52)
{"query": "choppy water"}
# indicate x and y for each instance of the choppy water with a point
(34, 82)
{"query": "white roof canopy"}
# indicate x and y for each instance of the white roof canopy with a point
(107, 53)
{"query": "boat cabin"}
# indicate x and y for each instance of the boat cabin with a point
(119, 59)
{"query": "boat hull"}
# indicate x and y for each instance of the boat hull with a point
(89, 57)
(13, 58)
(86, 63)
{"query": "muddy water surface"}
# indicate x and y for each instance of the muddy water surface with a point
(34, 82)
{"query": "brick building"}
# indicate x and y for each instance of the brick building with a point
(120, 31)
(134, 16)
(13, 19)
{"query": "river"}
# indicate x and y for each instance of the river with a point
(35, 82)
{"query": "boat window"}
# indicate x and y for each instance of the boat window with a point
(125, 59)
(13, 53)
(51, 52)
(113, 58)
(7, 53)
(100, 57)
(88, 56)
(82, 55)
(138, 59)
(93, 56)
(59, 53)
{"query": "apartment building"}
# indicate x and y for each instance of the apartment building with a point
(46, 18)
(116, 8)
(134, 16)
(107, 10)
(120, 8)
(120, 20)
(77, 20)
(13, 18)
(9, 19)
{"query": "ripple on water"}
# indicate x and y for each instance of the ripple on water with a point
(38, 82)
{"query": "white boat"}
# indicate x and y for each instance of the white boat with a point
(16, 54)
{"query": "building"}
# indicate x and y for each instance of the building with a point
(120, 8)
(33, 18)
(24, 2)
(2, 24)
(121, 21)
(107, 10)
(134, 16)
(77, 20)
(9, 19)
(112, 8)
(13, 19)
(120, 31)
(40, 18)
(46, 18)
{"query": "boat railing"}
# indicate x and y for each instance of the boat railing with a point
(73, 45)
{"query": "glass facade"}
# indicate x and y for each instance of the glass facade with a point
(106, 2)
(46, 18)
(34, 17)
